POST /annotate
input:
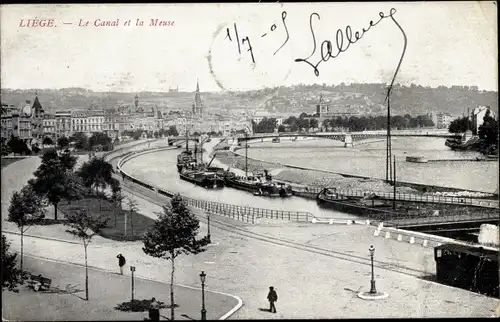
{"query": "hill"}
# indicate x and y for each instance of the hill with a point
(353, 98)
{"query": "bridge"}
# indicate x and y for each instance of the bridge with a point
(348, 138)
(463, 222)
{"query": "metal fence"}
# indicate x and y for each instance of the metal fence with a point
(242, 213)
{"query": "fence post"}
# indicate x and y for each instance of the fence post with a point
(289, 215)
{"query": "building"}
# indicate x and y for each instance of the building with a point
(63, 124)
(49, 126)
(477, 116)
(17, 122)
(37, 120)
(259, 115)
(442, 120)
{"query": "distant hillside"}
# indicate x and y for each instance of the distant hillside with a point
(354, 98)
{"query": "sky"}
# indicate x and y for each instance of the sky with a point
(448, 43)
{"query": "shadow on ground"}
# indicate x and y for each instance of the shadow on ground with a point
(139, 306)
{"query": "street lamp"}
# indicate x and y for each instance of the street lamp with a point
(373, 290)
(203, 310)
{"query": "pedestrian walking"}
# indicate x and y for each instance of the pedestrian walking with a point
(121, 262)
(154, 310)
(272, 297)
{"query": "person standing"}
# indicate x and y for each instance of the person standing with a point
(121, 262)
(154, 310)
(272, 297)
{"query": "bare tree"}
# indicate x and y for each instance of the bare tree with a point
(85, 226)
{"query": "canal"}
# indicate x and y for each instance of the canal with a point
(160, 169)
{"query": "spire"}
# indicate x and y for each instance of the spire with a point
(197, 86)
(37, 107)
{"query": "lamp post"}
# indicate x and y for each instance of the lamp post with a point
(132, 269)
(203, 310)
(373, 290)
(208, 225)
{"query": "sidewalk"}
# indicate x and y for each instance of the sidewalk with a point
(106, 291)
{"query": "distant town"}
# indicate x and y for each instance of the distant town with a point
(311, 108)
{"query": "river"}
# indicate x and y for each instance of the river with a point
(368, 159)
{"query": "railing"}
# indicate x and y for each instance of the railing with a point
(436, 220)
(428, 198)
(242, 213)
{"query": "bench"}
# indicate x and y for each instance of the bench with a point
(39, 282)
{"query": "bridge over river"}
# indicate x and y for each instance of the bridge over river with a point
(350, 137)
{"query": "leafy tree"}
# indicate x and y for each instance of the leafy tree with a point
(17, 145)
(47, 141)
(81, 141)
(25, 210)
(116, 196)
(54, 179)
(281, 128)
(459, 125)
(6, 150)
(85, 226)
(96, 173)
(68, 161)
(488, 132)
(11, 275)
(35, 148)
(174, 233)
(313, 123)
(172, 131)
(62, 142)
(100, 138)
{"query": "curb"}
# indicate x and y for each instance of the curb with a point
(332, 221)
(43, 237)
(422, 239)
(224, 317)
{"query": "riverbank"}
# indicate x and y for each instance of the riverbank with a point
(322, 178)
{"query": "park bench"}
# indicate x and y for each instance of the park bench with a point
(39, 282)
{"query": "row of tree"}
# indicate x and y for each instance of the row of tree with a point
(354, 123)
(174, 233)
(137, 134)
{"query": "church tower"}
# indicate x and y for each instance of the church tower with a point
(197, 105)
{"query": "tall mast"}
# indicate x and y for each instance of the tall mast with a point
(388, 170)
(246, 155)
(187, 147)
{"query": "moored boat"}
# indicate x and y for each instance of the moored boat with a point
(365, 206)
(204, 179)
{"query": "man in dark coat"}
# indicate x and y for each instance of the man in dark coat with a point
(272, 297)
(121, 262)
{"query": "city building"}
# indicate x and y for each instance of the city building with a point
(17, 122)
(37, 120)
(49, 126)
(442, 120)
(63, 124)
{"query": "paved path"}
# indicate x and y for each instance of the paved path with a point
(106, 291)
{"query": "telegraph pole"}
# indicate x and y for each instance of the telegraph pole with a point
(246, 155)
(388, 157)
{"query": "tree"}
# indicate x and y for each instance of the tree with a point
(116, 196)
(17, 145)
(488, 133)
(11, 275)
(25, 210)
(54, 180)
(281, 128)
(172, 131)
(173, 233)
(85, 226)
(81, 141)
(62, 142)
(96, 173)
(47, 141)
(459, 125)
(313, 123)
(133, 207)
(35, 148)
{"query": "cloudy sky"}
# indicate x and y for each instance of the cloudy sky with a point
(448, 43)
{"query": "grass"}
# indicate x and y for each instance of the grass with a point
(137, 224)
(139, 306)
(7, 161)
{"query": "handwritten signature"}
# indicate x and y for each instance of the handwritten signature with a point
(326, 47)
